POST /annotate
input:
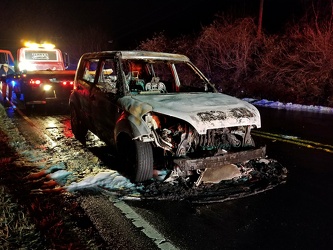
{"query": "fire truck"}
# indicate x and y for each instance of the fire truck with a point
(43, 76)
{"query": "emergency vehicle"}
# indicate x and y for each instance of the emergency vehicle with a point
(42, 74)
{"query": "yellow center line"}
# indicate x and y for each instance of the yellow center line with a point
(294, 140)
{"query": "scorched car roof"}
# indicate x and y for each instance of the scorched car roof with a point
(139, 54)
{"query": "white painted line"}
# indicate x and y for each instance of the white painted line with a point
(143, 225)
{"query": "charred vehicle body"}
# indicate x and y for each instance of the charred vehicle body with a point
(160, 112)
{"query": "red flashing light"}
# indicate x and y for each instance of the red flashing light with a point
(35, 82)
(65, 83)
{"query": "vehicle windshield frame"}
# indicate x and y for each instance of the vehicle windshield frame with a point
(161, 76)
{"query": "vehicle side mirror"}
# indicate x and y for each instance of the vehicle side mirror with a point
(66, 60)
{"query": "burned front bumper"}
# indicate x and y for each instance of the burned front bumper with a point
(186, 164)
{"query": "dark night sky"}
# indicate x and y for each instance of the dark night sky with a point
(126, 22)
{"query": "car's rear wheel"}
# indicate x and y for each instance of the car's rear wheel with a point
(136, 157)
(78, 128)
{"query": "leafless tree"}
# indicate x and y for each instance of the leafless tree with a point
(296, 66)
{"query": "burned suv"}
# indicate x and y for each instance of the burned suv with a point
(160, 112)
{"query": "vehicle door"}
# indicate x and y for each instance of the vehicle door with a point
(86, 80)
(103, 100)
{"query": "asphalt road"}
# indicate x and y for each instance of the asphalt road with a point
(294, 215)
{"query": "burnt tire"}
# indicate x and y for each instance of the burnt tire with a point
(78, 127)
(136, 158)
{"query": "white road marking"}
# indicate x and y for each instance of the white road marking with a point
(160, 241)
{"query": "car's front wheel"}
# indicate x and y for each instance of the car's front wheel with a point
(136, 157)
(78, 128)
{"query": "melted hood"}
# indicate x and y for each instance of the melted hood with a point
(202, 110)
